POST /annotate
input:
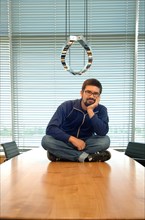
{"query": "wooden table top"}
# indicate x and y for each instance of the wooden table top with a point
(32, 187)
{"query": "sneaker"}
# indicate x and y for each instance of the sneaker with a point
(99, 156)
(52, 157)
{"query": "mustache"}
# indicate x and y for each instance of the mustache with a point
(91, 99)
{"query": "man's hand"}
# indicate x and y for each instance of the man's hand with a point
(94, 105)
(90, 108)
(78, 143)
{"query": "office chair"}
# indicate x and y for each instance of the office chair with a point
(10, 149)
(136, 151)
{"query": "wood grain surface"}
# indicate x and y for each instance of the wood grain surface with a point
(32, 187)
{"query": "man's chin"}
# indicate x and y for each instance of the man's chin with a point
(87, 104)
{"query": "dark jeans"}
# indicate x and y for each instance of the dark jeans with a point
(67, 151)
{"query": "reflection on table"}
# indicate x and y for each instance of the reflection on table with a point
(32, 187)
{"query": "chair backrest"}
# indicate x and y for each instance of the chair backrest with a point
(10, 149)
(136, 151)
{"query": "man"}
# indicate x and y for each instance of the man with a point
(78, 128)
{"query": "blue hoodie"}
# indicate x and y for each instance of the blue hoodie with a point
(71, 120)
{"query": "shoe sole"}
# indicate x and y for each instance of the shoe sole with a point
(101, 157)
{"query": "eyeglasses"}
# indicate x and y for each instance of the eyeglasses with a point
(89, 93)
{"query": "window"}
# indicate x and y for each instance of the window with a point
(34, 83)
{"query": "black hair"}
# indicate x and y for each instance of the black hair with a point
(92, 82)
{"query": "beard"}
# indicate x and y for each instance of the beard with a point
(89, 101)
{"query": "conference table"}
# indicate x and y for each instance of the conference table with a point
(32, 187)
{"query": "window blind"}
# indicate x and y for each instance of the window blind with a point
(5, 77)
(140, 83)
(39, 82)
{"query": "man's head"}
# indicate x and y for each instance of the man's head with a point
(91, 90)
(92, 82)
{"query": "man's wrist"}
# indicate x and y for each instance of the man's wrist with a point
(90, 113)
(71, 138)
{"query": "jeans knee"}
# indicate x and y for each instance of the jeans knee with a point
(106, 142)
(43, 143)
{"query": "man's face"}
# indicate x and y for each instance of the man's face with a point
(90, 94)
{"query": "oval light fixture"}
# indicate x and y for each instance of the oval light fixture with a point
(84, 44)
